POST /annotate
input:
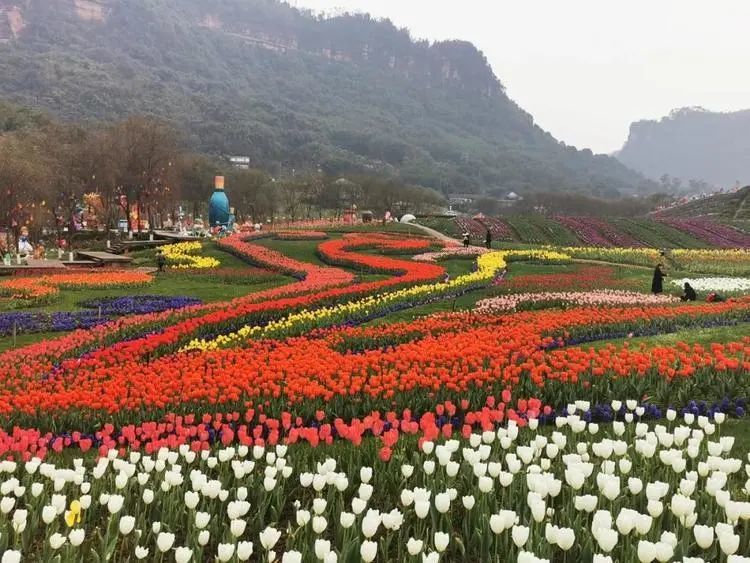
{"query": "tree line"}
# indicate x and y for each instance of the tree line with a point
(47, 168)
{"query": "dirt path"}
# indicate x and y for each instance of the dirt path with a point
(435, 234)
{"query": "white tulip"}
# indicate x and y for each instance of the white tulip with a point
(346, 519)
(191, 499)
(291, 557)
(520, 535)
(244, 550)
(57, 540)
(368, 550)
(370, 523)
(127, 523)
(442, 502)
(183, 554)
(358, 505)
(646, 551)
(164, 541)
(114, 503)
(729, 543)
(76, 537)
(414, 547)
(49, 513)
(11, 556)
(319, 505)
(468, 502)
(322, 548)
(606, 538)
(237, 527)
(441, 541)
(269, 537)
(319, 524)
(203, 537)
(407, 470)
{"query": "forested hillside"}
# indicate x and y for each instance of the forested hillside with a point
(259, 78)
(692, 144)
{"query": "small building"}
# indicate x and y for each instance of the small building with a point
(241, 162)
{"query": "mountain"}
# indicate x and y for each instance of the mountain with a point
(692, 143)
(290, 90)
(734, 205)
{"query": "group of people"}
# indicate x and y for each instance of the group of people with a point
(657, 287)
(487, 239)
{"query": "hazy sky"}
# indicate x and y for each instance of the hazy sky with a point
(586, 69)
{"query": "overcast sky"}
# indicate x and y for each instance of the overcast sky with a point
(586, 69)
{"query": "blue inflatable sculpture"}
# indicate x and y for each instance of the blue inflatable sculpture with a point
(218, 205)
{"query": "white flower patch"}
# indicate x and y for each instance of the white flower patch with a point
(715, 284)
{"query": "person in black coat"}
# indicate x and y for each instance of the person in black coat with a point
(689, 293)
(488, 239)
(467, 240)
(657, 283)
(161, 260)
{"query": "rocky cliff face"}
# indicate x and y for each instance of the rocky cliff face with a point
(692, 143)
(454, 62)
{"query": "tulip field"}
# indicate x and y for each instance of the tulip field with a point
(380, 395)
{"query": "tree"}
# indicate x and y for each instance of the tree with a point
(147, 149)
(252, 194)
(22, 180)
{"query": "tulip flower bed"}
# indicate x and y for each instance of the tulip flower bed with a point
(301, 235)
(581, 278)
(28, 291)
(260, 428)
(605, 298)
(100, 311)
(720, 285)
(585, 231)
(625, 492)
(715, 234)
(635, 256)
(537, 229)
(722, 262)
(239, 276)
(185, 255)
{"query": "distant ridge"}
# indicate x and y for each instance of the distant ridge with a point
(293, 91)
(692, 143)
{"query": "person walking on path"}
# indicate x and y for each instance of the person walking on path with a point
(689, 293)
(488, 239)
(657, 283)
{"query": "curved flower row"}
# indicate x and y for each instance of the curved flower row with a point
(607, 298)
(184, 255)
(521, 351)
(40, 288)
(146, 336)
(488, 267)
(106, 310)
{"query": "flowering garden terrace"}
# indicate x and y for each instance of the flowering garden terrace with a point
(372, 395)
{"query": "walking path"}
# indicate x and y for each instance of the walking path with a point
(435, 234)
